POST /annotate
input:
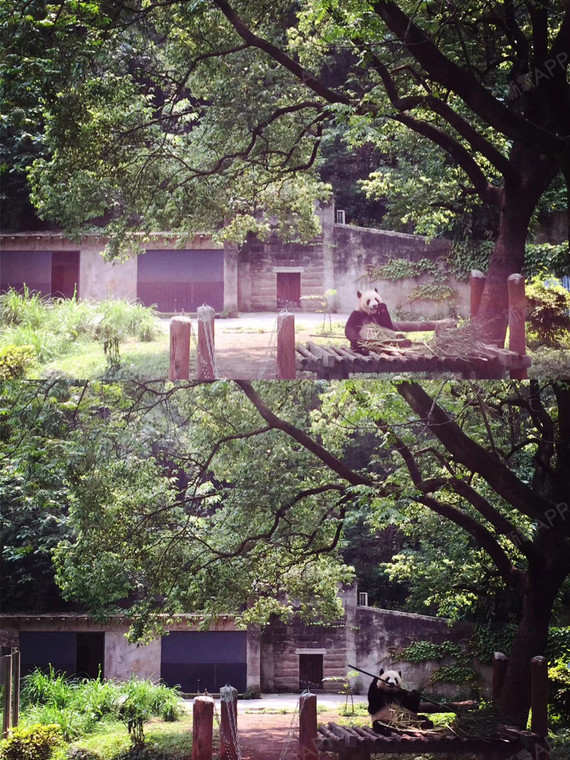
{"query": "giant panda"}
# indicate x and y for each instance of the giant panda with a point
(370, 310)
(385, 691)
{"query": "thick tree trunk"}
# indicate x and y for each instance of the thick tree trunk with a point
(507, 258)
(540, 591)
(519, 200)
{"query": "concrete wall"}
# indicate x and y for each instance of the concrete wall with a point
(100, 279)
(381, 633)
(123, 660)
(259, 264)
(358, 249)
(365, 637)
(338, 259)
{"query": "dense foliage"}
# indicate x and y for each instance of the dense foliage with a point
(162, 510)
(35, 742)
(78, 706)
(160, 115)
(548, 313)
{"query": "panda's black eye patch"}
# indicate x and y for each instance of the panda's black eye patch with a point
(368, 302)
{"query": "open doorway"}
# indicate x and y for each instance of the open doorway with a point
(288, 289)
(311, 671)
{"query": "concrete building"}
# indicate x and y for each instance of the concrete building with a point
(283, 657)
(256, 276)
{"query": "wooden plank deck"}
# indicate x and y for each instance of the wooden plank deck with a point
(360, 743)
(339, 362)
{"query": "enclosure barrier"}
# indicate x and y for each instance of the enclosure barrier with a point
(180, 329)
(202, 728)
(205, 360)
(10, 679)
(229, 749)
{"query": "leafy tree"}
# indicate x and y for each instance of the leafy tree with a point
(186, 114)
(492, 463)
(213, 505)
(33, 492)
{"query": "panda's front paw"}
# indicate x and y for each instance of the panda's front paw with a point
(379, 728)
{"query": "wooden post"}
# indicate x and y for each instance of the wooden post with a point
(517, 319)
(308, 727)
(286, 347)
(206, 345)
(202, 728)
(228, 724)
(7, 701)
(477, 283)
(539, 695)
(16, 686)
(180, 328)
(500, 663)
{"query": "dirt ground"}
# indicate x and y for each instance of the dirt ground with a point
(247, 349)
(272, 736)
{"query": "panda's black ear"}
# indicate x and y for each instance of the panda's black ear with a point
(400, 673)
(358, 293)
(376, 290)
(380, 673)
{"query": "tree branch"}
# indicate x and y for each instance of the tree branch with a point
(477, 459)
(461, 126)
(315, 448)
(484, 537)
(487, 192)
(464, 83)
(308, 79)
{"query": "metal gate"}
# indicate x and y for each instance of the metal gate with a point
(181, 280)
(197, 660)
(67, 652)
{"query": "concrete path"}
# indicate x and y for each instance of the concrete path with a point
(286, 702)
(268, 320)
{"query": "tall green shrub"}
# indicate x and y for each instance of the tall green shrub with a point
(32, 743)
(548, 313)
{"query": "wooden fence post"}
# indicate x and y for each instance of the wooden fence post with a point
(517, 319)
(308, 727)
(206, 344)
(500, 664)
(477, 283)
(286, 347)
(228, 724)
(16, 686)
(180, 328)
(202, 728)
(7, 700)
(539, 695)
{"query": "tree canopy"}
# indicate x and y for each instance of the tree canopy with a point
(180, 116)
(240, 498)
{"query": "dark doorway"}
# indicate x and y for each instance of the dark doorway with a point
(310, 671)
(90, 654)
(178, 281)
(66, 652)
(288, 289)
(197, 660)
(64, 273)
(54, 273)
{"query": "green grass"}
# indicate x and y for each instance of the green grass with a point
(55, 328)
(87, 360)
(111, 740)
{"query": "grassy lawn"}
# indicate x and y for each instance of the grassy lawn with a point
(86, 359)
(111, 741)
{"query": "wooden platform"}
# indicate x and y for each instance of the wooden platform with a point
(360, 743)
(339, 362)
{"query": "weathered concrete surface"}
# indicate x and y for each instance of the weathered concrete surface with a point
(123, 660)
